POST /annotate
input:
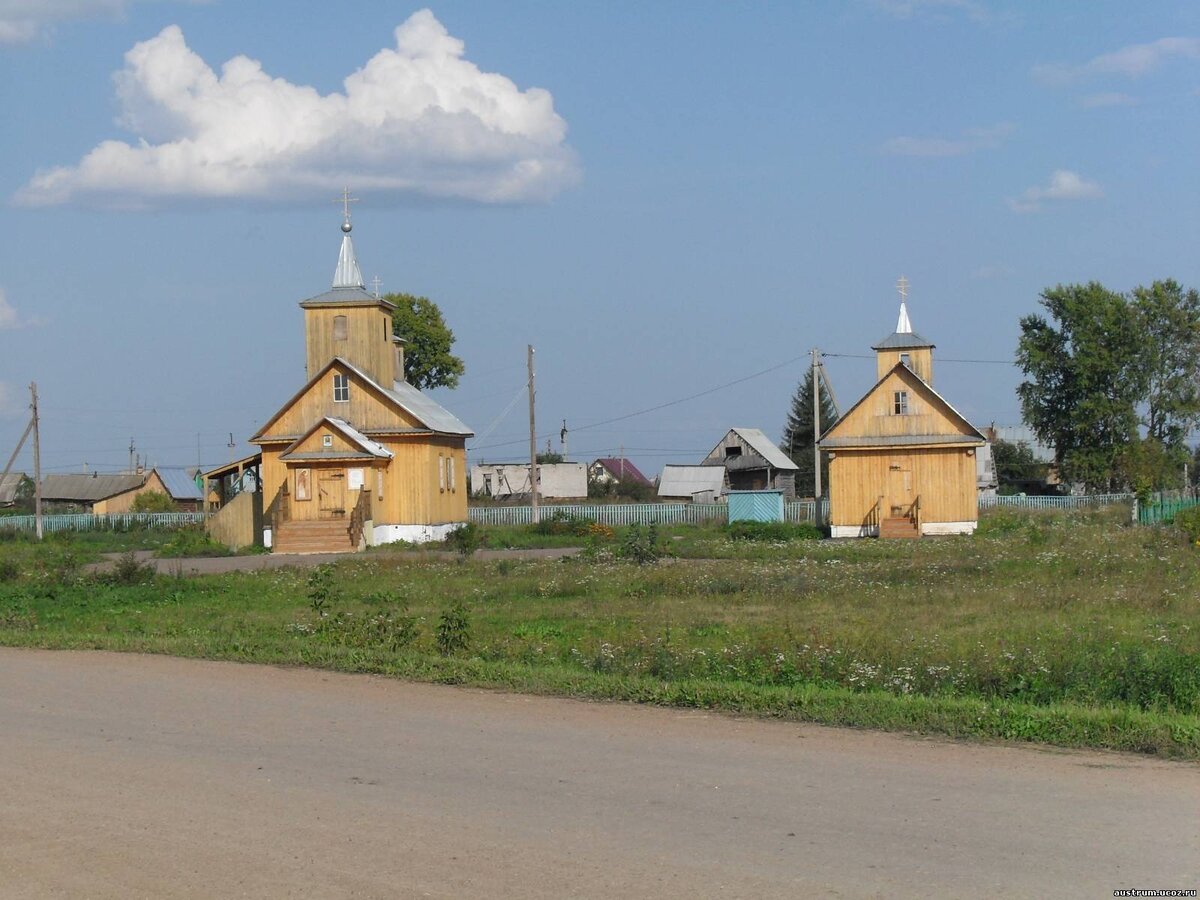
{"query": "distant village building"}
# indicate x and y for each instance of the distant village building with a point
(10, 488)
(753, 462)
(556, 481)
(611, 470)
(902, 461)
(358, 456)
(109, 494)
(699, 484)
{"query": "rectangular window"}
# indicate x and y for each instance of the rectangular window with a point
(441, 473)
(450, 476)
(900, 403)
(339, 328)
(341, 388)
(906, 359)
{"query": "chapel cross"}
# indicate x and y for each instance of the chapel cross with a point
(346, 200)
(375, 282)
(902, 287)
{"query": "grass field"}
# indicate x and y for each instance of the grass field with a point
(1073, 629)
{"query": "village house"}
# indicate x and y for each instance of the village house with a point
(902, 461)
(358, 455)
(753, 462)
(10, 488)
(102, 494)
(613, 470)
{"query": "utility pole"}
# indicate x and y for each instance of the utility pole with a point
(562, 439)
(231, 446)
(816, 431)
(621, 477)
(131, 469)
(533, 466)
(37, 463)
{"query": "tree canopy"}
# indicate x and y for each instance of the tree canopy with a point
(798, 438)
(1102, 366)
(428, 362)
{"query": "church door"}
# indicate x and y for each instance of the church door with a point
(331, 494)
(900, 488)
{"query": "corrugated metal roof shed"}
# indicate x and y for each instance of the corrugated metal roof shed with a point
(9, 485)
(179, 482)
(765, 448)
(685, 481)
(88, 488)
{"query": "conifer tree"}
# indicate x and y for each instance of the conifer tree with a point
(798, 437)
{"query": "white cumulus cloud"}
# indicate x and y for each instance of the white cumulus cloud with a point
(1131, 62)
(971, 140)
(416, 120)
(8, 313)
(1064, 185)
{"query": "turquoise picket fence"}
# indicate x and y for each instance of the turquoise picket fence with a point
(1163, 512)
(1054, 502)
(111, 522)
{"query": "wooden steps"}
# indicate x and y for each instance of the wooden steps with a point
(319, 536)
(901, 527)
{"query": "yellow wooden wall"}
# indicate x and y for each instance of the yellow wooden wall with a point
(927, 415)
(920, 360)
(365, 409)
(412, 491)
(943, 477)
(368, 341)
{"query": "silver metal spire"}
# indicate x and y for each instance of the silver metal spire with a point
(903, 325)
(347, 274)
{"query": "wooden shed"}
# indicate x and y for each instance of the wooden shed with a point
(753, 462)
(358, 456)
(902, 459)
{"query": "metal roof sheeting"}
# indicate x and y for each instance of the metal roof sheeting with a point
(685, 481)
(909, 340)
(179, 482)
(765, 447)
(357, 437)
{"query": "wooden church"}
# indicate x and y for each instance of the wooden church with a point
(902, 459)
(358, 456)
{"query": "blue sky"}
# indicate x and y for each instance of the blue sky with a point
(661, 198)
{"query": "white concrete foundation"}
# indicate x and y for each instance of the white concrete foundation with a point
(414, 534)
(853, 531)
(948, 527)
(267, 538)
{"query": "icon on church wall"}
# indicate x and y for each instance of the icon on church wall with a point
(304, 484)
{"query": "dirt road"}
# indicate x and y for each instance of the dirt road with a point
(139, 777)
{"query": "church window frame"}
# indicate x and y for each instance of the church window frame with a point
(341, 388)
(340, 328)
(900, 405)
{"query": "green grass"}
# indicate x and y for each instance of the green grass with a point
(1070, 629)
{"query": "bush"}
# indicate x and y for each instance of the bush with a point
(192, 540)
(774, 532)
(152, 502)
(641, 546)
(1188, 521)
(9, 570)
(453, 630)
(560, 522)
(465, 539)
(321, 589)
(129, 571)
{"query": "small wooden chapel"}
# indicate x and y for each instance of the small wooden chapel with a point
(902, 459)
(358, 456)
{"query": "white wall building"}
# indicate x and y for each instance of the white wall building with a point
(556, 481)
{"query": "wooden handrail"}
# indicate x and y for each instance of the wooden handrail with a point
(358, 517)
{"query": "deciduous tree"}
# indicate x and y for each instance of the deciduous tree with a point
(428, 362)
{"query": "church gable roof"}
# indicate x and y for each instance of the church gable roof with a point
(930, 420)
(345, 442)
(411, 411)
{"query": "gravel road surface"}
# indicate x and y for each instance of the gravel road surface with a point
(150, 777)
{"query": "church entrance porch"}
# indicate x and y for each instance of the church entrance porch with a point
(331, 494)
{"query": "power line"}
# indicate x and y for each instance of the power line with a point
(998, 362)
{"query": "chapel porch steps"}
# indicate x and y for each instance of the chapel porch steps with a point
(899, 527)
(317, 536)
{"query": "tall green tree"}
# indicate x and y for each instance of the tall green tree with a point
(798, 438)
(428, 362)
(1169, 318)
(1084, 371)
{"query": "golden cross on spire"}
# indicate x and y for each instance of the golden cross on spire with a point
(902, 287)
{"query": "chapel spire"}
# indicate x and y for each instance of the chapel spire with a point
(903, 325)
(347, 274)
(904, 345)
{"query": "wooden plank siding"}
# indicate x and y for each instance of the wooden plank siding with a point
(123, 503)
(928, 415)
(366, 409)
(942, 477)
(920, 360)
(367, 341)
